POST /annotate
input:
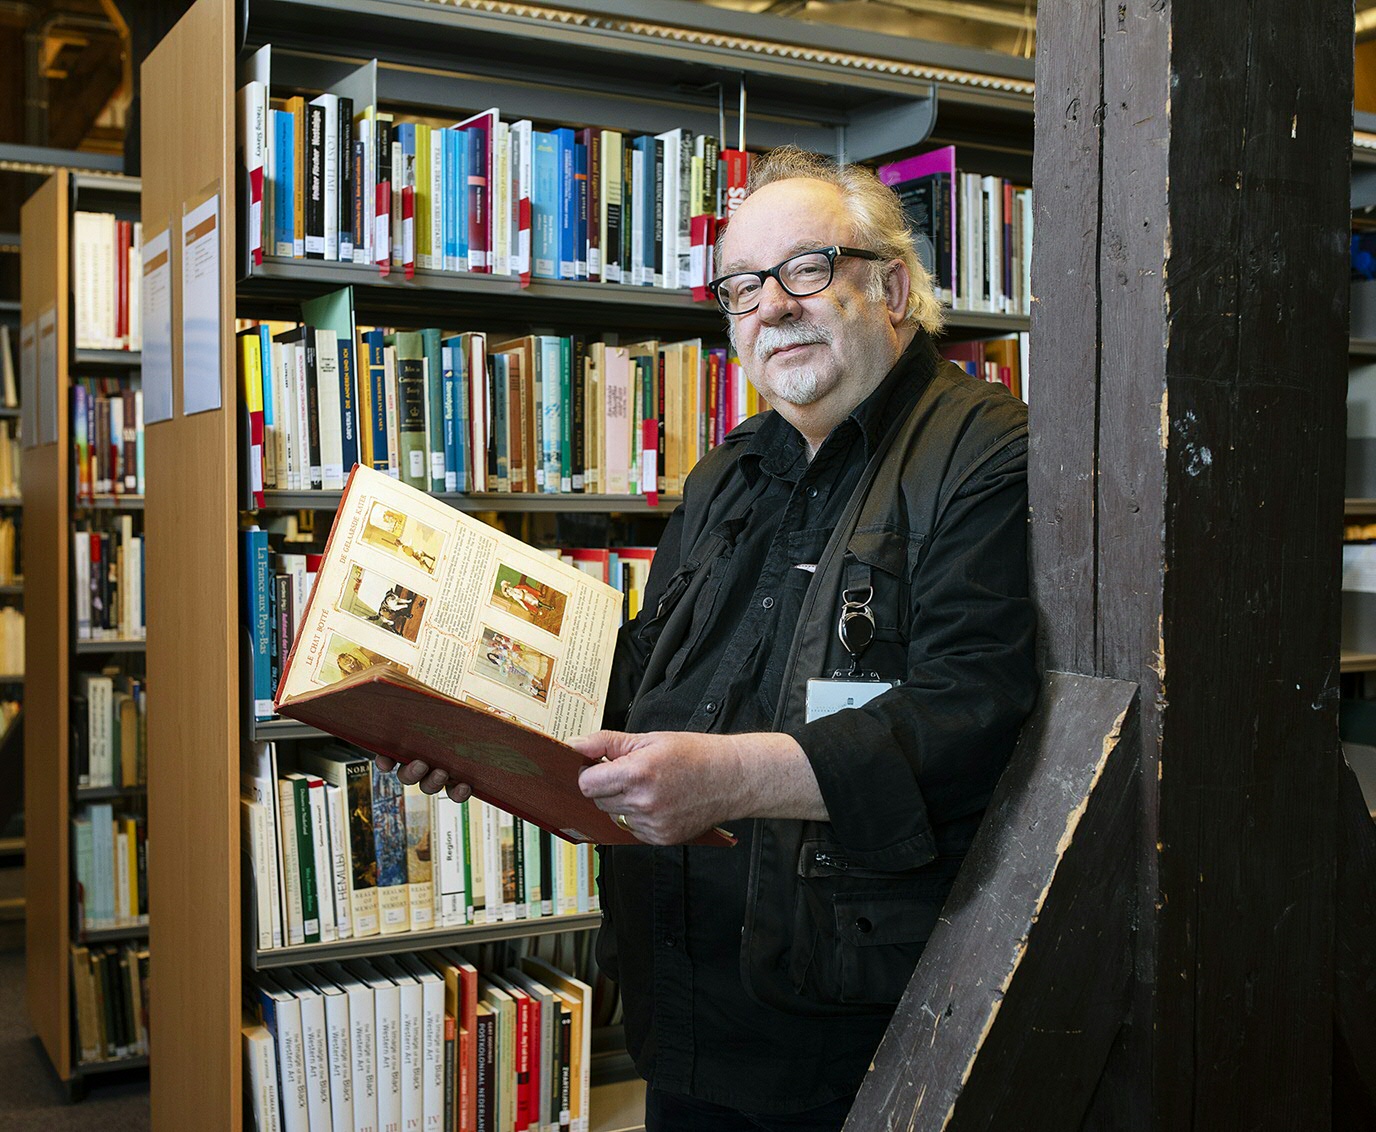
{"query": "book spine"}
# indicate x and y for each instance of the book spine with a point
(315, 183)
(411, 421)
(349, 176)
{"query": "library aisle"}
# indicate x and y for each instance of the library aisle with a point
(31, 1098)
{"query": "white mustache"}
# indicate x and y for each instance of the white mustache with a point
(771, 338)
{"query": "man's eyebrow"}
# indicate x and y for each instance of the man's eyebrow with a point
(797, 248)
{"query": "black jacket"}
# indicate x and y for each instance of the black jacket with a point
(838, 911)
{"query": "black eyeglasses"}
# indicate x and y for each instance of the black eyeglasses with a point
(801, 275)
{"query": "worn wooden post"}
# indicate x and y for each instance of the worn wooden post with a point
(1190, 274)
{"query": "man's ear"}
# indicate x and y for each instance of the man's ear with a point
(897, 284)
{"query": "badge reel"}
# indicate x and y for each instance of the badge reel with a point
(853, 689)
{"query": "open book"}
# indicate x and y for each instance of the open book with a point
(430, 635)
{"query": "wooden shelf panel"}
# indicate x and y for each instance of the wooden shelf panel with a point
(104, 793)
(1358, 662)
(113, 935)
(115, 1065)
(418, 941)
(92, 648)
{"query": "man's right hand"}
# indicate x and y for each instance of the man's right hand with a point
(417, 773)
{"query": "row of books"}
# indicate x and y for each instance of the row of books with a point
(108, 579)
(1002, 360)
(10, 462)
(455, 412)
(111, 854)
(109, 720)
(974, 232)
(11, 641)
(332, 180)
(107, 427)
(10, 564)
(340, 850)
(106, 276)
(110, 989)
(425, 1041)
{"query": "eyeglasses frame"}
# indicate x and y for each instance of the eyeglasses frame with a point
(833, 253)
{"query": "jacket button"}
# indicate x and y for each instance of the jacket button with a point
(710, 707)
(812, 493)
(768, 603)
(863, 926)
(669, 941)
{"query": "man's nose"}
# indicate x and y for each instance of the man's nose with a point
(776, 304)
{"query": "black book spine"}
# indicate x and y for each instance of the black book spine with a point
(315, 182)
(81, 749)
(518, 836)
(274, 645)
(345, 150)
(565, 1069)
(578, 354)
(359, 188)
(313, 410)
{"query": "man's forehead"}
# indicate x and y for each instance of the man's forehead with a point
(784, 218)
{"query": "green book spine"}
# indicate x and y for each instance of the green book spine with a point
(411, 430)
(305, 850)
(434, 407)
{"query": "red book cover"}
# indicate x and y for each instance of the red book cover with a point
(382, 236)
(590, 560)
(124, 233)
(703, 233)
(408, 231)
(509, 765)
(737, 162)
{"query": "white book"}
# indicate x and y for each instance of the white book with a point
(475, 819)
(419, 870)
(387, 1028)
(258, 782)
(135, 274)
(291, 862)
(492, 864)
(363, 131)
(253, 113)
(324, 863)
(81, 585)
(253, 826)
(501, 199)
(337, 818)
(634, 272)
(281, 1013)
(362, 1045)
(668, 261)
(85, 234)
(434, 456)
(284, 409)
(991, 190)
(432, 1031)
(338, 768)
(337, 1050)
(447, 836)
(306, 474)
(520, 142)
(99, 693)
(7, 384)
(260, 1072)
(412, 1040)
(127, 628)
(315, 1049)
(330, 172)
(536, 894)
(139, 438)
(331, 424)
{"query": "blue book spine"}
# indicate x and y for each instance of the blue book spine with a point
(645, 210)
(284, 203)
(451, 455)
(461, 146)
(265, 359)
(565, 414)
(348, 402)
(259, 579)
(461, 433)
(377, 398)
(568, 204)
(544, 206)
(551, 366)
(447, 187)
(100, 904)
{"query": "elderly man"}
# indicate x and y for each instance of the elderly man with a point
(833, 660)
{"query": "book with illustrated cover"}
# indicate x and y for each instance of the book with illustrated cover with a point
(430, 635)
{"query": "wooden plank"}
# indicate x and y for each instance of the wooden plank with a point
(1256, 353)
(1023, 985)
(47, 691)
(1064, 360)
(1354, 950)
(188, 124)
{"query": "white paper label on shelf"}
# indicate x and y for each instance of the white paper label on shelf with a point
(157, 327)
(1359, 567)
(201, 307)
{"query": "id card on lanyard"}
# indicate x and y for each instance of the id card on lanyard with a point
(855, 630)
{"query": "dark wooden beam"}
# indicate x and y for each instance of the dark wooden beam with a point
(1189, 355)
(1023, 986)
(1354, 958)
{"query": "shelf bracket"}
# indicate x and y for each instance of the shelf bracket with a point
(898, 125)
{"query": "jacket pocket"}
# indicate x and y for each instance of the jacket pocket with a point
(858, 932)
(883, 559)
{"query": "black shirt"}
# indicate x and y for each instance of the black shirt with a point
(691, 1025)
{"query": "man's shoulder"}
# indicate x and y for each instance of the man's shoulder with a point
(972, 418)
(718, 461)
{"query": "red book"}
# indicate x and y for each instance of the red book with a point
(737, 163)
(408, 231)
(124, 232)
(704, 237)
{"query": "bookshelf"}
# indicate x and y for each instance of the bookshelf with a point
(601, 65)
(53, 656)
